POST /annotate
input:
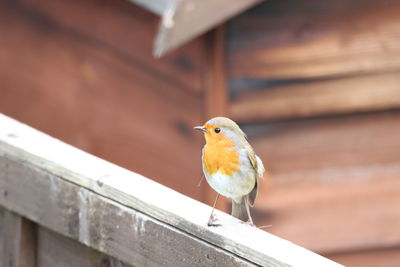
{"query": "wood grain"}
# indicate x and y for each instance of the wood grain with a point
(101, 223)
(57, 250)
(314, 98)
(17, 240)
(334, 184)
(110, 209)
(290, 39)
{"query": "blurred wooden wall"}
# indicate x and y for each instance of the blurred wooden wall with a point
(82, 71)
(316, 85)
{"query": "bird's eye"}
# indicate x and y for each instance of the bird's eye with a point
(217, 130)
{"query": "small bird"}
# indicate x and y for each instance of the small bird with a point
(230, 166)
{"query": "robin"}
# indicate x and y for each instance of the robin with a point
(230, 166)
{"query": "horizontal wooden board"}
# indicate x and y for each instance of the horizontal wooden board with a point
(312, 98)
(330, 216)
(99, 223)
(123, 214)
(327, 144)
(334, 182)
(121, 28)
(91, 84)
(284, 39)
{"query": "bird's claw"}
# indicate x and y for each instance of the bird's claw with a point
(213, 221)
(250, 223)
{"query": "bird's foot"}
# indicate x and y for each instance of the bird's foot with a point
(249, 222)
(213, 221)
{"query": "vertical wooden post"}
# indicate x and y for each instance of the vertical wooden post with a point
(17, 240)
(216, 96)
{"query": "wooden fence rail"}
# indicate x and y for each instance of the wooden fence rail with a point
(73, 209)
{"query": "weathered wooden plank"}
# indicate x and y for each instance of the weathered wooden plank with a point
(336, 179)
(328, 97)
(57, 250)
(183, 20)
(101, 223)
(299, 39)
(105, 96)
(173, 224)
(17, 240)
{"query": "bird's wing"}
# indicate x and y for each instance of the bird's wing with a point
(259, 170)
(255, 161)
(252, 156)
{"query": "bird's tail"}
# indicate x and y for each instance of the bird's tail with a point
(239, 209)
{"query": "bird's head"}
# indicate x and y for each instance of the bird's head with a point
(222, 129)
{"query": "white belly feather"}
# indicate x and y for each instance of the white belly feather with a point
(239, 184)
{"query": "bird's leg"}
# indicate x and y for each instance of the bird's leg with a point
(246, 201)
(213, 221)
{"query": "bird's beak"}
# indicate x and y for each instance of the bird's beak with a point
(200, 128)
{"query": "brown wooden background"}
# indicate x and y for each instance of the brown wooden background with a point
(315, 84)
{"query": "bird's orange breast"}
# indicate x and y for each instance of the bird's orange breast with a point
(219, 156)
